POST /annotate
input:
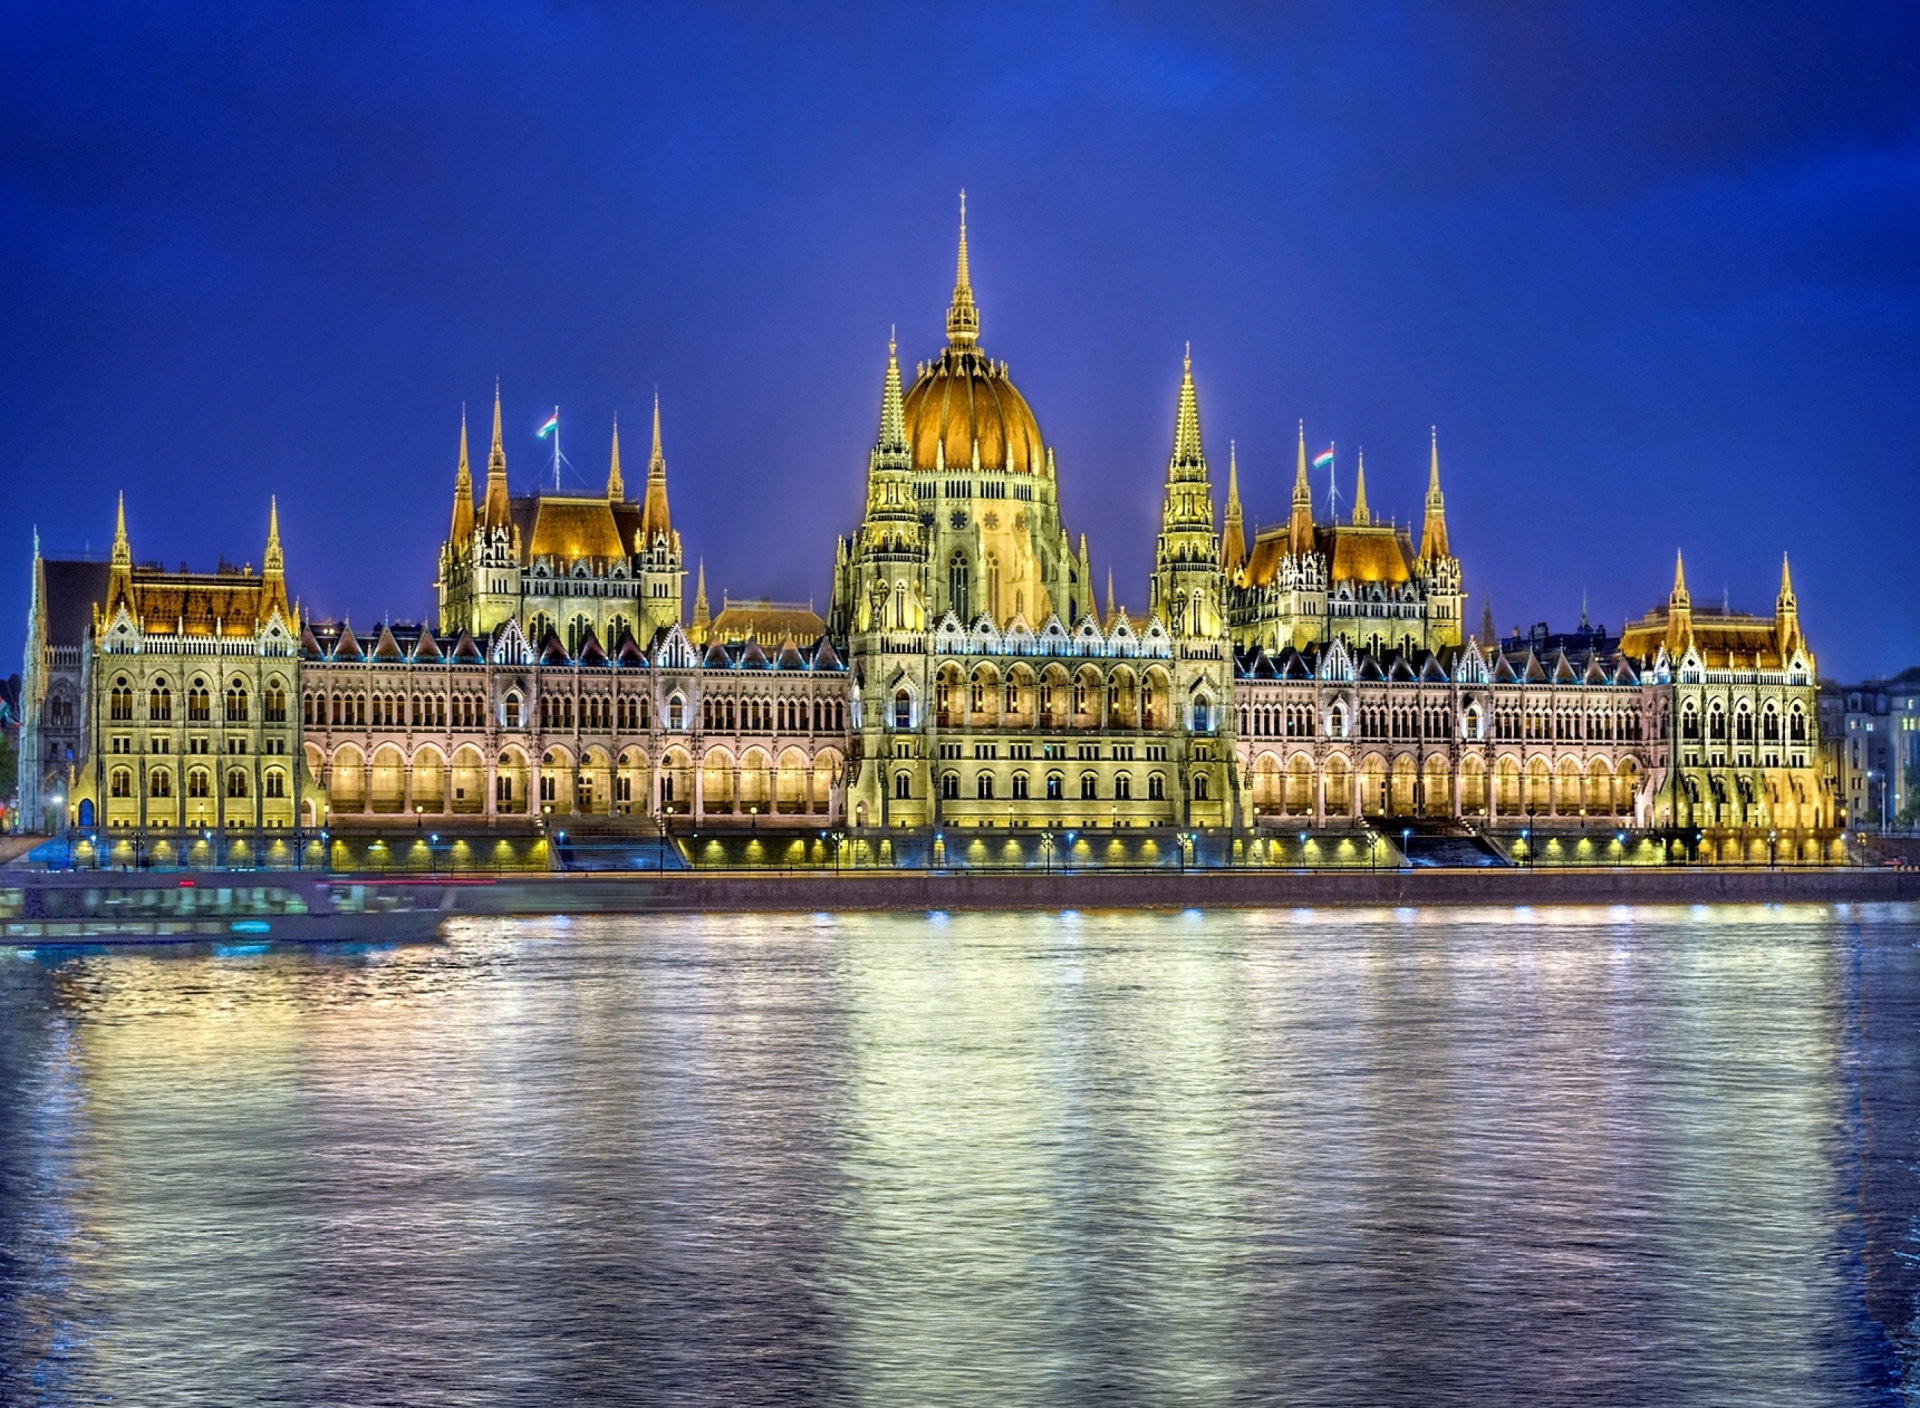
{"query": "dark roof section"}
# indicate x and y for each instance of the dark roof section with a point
(68, 594)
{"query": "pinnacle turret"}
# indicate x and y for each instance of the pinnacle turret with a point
(963, 316)
(1433, 528)
(616, 486)
(1362, 516)
(495, 513)
(655, 520)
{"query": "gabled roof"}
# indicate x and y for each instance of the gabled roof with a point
(386, 649)
(629, 652)
(552, 652)
(753, 657)
(1504, 673)
(1536, 673)
(1563, 670)
(590, 652)
(465, 652)
(426, 650)
(790, 657)
(716, 657)
(826, 657)
(348, 646)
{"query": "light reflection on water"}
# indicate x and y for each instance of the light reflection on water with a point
(1555, 1156)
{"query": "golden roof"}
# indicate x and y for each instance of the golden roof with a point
(964, 397)
(768, 622)
(1723, 640)
(1367, 555)
(229, 604)
(569, 529)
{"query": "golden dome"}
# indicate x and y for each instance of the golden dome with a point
(963, 398)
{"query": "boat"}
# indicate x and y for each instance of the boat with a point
(136, 908)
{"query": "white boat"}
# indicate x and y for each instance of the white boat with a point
(139, 908)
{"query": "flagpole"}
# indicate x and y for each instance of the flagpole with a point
(556, 449)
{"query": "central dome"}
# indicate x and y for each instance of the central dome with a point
(963, 403)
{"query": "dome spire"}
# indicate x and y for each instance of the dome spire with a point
(1233, 546)
(1300, 525)
(1362, 516)
(893, 415)
(1186, 424)
(1433, 531)
(654, 518)
(462, 528)
(496, 514)
(963, 318)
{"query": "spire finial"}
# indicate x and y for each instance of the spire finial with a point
(702, 613)
(496, 513)
(963, 316)
(1111, 613)
(1300, 524)
(1786, 577)
(1361, 516)
(1679, 573)
(893, 414)
(274, 562)
(462, 527)
(1433, 464)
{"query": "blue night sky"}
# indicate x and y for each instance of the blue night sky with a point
(1656, 278)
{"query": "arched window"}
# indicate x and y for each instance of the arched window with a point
(1020, 787)
(1156, 787)
(676, 712)
(120, 784)
(950, 786)
(197, 783)
(512, 711)
(1123, 788)
(159, 783)
(983, 787)
(1203, 715)
(577, 630)
(957, 585)
(902, 786)
(276, 783)
(236, 782)
(1089, 787)
(902, 710)
(993, 585)
(120, 706)
(237, 703)
(1056, 787)
(200, 703)
(1199, 787)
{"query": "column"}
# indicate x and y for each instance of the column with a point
(1319, 795)
(699, 793)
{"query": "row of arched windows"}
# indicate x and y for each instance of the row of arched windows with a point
(199, 702)
(273, 783)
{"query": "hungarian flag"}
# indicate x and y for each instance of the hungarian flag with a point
(1324, 460)
(553, 424)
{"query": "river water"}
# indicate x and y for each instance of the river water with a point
(1553, 1156)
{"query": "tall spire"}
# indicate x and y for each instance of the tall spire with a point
(1488, 636)
(122, 550)
(1362, 518)
(1111, 613)
(1433, 530)
(273, 565)
(1786, 579)
(462, 528)
(654, 518)
(1786, 613)
(1233, 545)
(963, 317)
(702, 615)
(1186, 422)
(1679, 611)
(616, 486)
(1300, 525)
(495, 513)
(893, 413)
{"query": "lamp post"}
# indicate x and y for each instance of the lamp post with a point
(1046, 850)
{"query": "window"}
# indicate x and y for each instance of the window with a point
(957, 585)
(159, 783)
(1056, 787)
(1020, 787)
(1089, 787)
(1123, 787)
(1156, 787)
(1202, 715)
(236, 783)
(950, 786)
(983, 787)
(676, 712)
(197, 783)
(237, 703)
(120, 707)
(902, 786)
(276, 783)
(120, 784)
(513, 711)
(200, 703)
(160, 702)
(1199, 787)
(902, 709)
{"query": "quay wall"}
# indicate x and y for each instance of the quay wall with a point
(803, 891)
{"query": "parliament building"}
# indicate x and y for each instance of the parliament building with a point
(1285, 687)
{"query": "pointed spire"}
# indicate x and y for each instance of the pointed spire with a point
(122, 550)
(1433, 530)
(274, 562)
(1786, 614)
(1489, 637)
(963, 317)
(893, 412)
(495, 513)
(1679, 612)
(1786, 579)
(1111, 613)
(702, 615)
(1361, 516)
(462, 528)
(655, 521)
(1186, 423)
(1680, 579)
(616, 486)
(1233, 543)
(1300, 525)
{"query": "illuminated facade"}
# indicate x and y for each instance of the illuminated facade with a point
(1313, 675)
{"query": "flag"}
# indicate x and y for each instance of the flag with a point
(1324, 460)
(553, 424)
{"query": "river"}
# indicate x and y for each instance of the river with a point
(1503, 1156)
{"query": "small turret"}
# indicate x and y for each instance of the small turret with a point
(1786, 614)
(120, 568)
(1679, 611)
(702, 615)
(273, 567)
(1362, 517)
